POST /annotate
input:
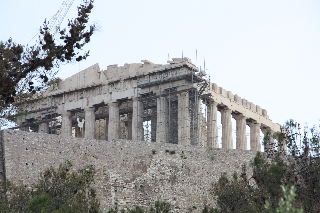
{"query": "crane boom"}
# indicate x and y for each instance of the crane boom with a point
(56, 20)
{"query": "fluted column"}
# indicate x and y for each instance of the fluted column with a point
(212, 126)
(241, 135)
(100, 129)
(114, 121)
(162, 120)
(106, 128)
(282, 146)
(77, 132)
(153, 125)
(268, 139)
(226, 129)
(202, 127)
(89, 123)
(137, 120)
(66, 126)
(43, 128)
(129, 126)
(183, 119)
(255, 136)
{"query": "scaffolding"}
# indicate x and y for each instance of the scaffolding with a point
(168, 103)
(188, 84)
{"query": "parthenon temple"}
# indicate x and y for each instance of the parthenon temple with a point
(169, 103)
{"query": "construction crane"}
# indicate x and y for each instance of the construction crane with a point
(56, 20)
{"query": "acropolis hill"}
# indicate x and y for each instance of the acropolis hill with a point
(151, 131)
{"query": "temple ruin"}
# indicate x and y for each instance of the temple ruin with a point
(170, 103)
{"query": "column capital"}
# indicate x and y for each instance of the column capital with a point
(211, 102)
(113, 103)
(66, 113)
(253, 123)
(135, 98)
(163, 93)
(225, 109)
(238, 116)
(183, 93)
(89, 109)
(265, 129)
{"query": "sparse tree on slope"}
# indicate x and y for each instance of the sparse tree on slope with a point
(273, 170)
(57, 191)
(28, 69)
(285, 204)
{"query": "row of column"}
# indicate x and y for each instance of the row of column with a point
(241, 122)
(160, 125)
(113, 122)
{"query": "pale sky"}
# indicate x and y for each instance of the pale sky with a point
(267, 52)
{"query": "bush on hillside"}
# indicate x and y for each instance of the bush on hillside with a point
(59, 190)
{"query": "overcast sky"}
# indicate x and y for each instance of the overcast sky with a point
(265, 51)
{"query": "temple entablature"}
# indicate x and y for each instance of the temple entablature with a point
(145, 101)
(85, 78)
(242, 106)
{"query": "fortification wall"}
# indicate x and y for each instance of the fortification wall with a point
(128, 172)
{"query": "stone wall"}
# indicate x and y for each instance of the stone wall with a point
(128, 172)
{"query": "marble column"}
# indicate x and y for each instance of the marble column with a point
(153, 125)
(212, 126)
(114, 121)
(77, 133)
(282, 146)
(202, 127)
(183, 119)
(162, 120)
(255, 136)
(89, 124)
(137, 120)
(43, 128)
(129, 126)
(66, 127)
(241, 134)
(97, 129)
(226, 128)
(100, 129)
(123, 129)
(268, 139)
(106, 128)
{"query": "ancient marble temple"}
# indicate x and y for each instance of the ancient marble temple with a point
(168, 103)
